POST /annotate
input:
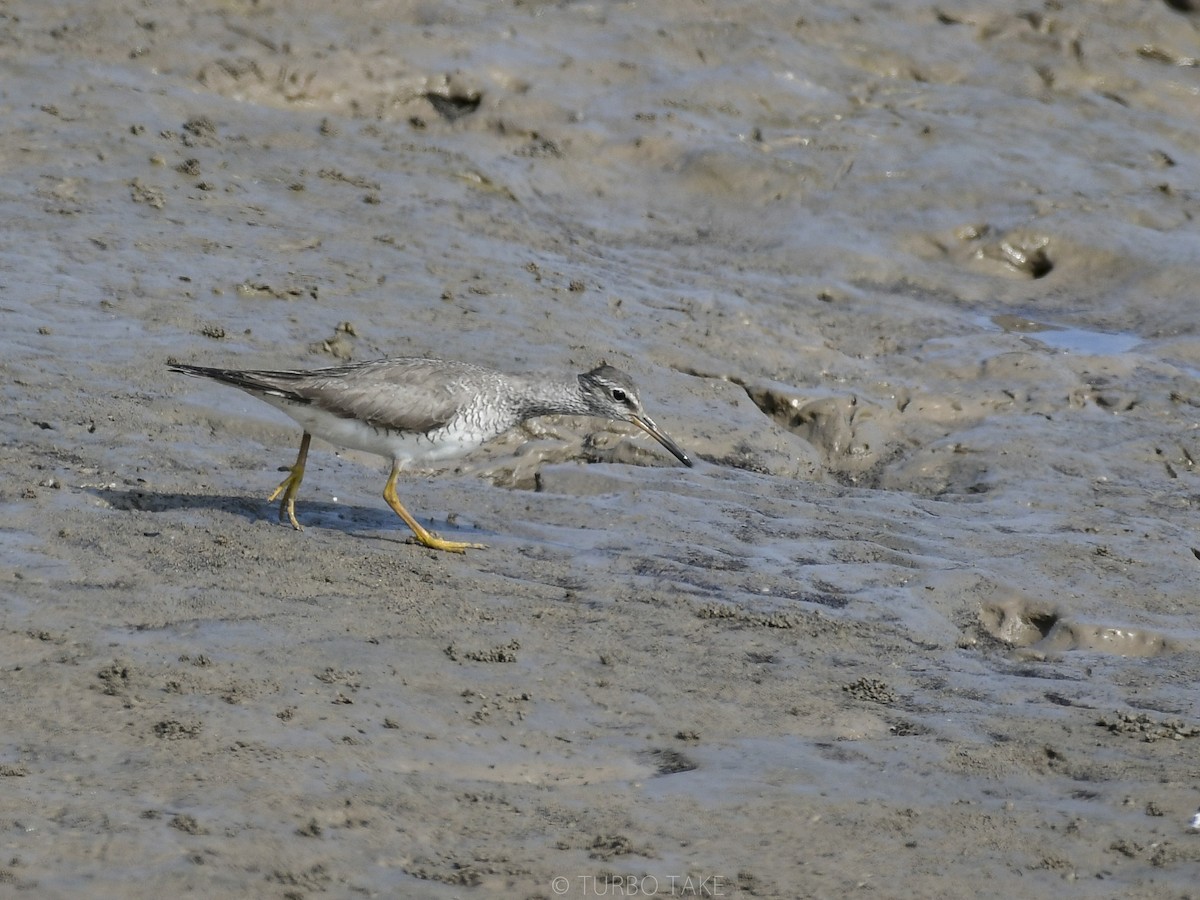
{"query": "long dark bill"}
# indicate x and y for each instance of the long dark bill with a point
(647, 425)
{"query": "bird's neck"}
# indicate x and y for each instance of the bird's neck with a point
(538, 397)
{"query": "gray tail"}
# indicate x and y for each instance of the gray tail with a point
(254, 381)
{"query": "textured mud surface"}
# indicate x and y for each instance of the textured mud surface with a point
(916, 287)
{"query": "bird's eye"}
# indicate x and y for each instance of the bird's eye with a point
(618, 395)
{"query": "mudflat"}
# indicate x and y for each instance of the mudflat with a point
(914, 286)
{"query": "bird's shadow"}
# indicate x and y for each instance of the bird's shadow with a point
(357, 521)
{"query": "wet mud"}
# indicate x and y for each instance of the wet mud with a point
(914, 286)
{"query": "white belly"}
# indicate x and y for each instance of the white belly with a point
(408, 447)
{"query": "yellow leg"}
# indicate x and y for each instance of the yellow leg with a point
(423, 536)
(291, 485)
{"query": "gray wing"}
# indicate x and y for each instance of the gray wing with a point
(403, 393)
(406, 394)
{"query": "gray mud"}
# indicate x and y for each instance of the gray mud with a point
(915, 285)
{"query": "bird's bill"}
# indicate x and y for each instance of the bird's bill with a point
(647, 425)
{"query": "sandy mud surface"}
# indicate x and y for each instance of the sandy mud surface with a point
(915, 284)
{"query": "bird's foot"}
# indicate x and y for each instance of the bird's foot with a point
(433, 542)
(289, 488)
